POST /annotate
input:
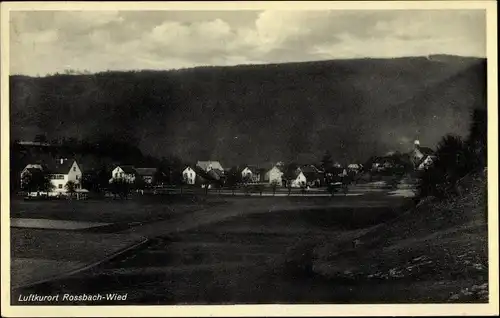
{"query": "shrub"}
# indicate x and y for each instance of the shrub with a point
(453, 161)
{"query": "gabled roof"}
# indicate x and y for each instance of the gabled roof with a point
(310, 169)
(426, 150)
(253, 169)
(56, 167)
(33, 170)
(424, 158)
(146, 171)
(205, 164)
(292, 174)
(311, 175)
(274, 167)
(129, 169)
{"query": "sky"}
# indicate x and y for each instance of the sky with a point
(46, 42)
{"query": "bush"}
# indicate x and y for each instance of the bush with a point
(453, 161)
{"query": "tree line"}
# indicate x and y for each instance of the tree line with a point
(456, 157)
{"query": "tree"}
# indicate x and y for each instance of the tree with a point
(246, 179)
(327, 161)
(70, 188)
(233, 178)
(260, 188)
(477, 139)
(139, 183)
(40, 138)
(159, 177)
(121, 188)
(37, 181)
(453, 161)
(274, 185)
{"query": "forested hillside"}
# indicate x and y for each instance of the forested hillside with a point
(258, 113)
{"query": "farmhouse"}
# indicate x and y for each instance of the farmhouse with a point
(422, 157)
(252, 173)
(274, 175)
(299, 180)
(124, 172)
(294, 178)
(189, 175)
(61, 172)
(313, 175)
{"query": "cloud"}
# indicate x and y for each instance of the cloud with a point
(47, 41)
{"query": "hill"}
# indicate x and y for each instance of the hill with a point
(439, 249)
(258, 113)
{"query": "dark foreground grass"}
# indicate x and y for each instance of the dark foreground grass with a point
(139, 209)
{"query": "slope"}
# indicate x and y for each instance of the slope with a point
(438, 248)
(251, 113)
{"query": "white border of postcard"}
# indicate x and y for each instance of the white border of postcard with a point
(257, 310)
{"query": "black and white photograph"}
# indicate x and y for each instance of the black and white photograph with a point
(230, 153)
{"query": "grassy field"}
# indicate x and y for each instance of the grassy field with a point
(211, 261)
(302, 250)
(139, 209)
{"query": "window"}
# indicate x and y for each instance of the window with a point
(60, 186)
(74, 168)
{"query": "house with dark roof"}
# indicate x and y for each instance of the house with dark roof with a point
(313, 175)
(147, 174)
(127, 173)
(422, 157)
(59, 171)
(252, 173)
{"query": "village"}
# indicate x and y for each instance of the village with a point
(62, 177)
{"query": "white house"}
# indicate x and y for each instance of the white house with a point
(253, 173)
(274, 175)
(189, 175)
(61, 172)
(300, 180)
(125, 172)
(246, 173)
